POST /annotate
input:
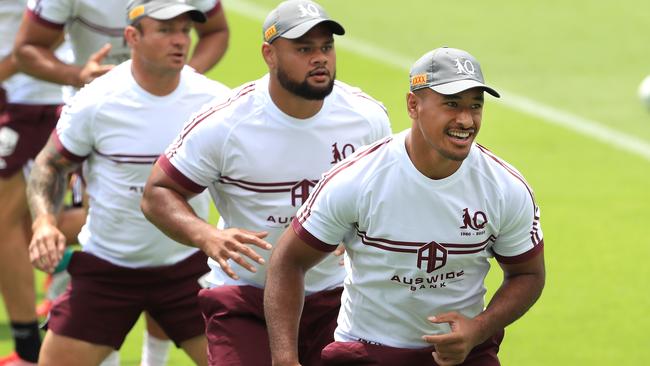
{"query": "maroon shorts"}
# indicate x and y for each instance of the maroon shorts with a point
(236, 328)
(103, 301)
(24, 130)
(360, 353)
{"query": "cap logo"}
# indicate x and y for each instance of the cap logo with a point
(464, 66)
(270, 32)
(136, 12)
(418, 79)
(308, 10)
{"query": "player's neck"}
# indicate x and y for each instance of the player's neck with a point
(157, 83)
(291, 104)
(428, 161)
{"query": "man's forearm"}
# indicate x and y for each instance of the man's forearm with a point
(209, 50)
(172, 214)
(45, 189)
(516, 295)
(42, 63)
(7, 68)
(283, 301)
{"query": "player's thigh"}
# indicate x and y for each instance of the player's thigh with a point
(13, 210)
(197, 349)
(58, 350)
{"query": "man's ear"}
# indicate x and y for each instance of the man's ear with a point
(268, 53)
(412, 101)
(131, 35)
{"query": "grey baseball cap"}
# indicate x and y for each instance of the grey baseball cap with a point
(161, 10)
(448, 71)
(293, 18)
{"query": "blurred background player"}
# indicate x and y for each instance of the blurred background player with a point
(27, 118)
(420, 214)
(260, 154)
(95, 29)
(152, 95)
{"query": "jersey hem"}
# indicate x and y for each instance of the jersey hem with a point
(177, 176)
(42, 21)
(309, 239)
(521, 257)
(65, 152)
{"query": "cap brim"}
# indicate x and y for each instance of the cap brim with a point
(455, 87)
(173, 11)
(300, 30)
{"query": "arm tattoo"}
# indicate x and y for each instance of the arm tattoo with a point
(47, 182)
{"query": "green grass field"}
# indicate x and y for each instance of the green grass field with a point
(569, 120)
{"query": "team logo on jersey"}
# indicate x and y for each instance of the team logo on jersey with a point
(340, 154)
(432, 256)
(475, 221)
(8, 141)
(300, 191)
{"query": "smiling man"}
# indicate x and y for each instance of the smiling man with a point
(260, 154)
(117, 126)
(419, 214)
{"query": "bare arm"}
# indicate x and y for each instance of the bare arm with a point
(213, 42)
(284, 294)
(165, 204)
(7, 68)
(34, 51)
(45, 191)
(521, 287)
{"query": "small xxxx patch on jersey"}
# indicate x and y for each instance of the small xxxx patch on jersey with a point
(270, 32)
(418, 79)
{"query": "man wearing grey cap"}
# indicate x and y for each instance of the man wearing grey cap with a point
(95, 29)
(419, 213)
(117, 126)
(260, 154)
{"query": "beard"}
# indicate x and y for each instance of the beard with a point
(303, 89)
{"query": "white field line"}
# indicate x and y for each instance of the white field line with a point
(587, 127)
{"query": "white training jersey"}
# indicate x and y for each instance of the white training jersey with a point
(22, 88)
(120, 129)
(260, 164)
(90, 24)
(417, 247)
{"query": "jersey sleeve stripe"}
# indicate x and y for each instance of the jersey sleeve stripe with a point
(304, 214)
(65, 152)
(42, 21)
(521, 257)
(204, 115)
(309, 239)
(534, 237)
(361, 94)
(177, 176)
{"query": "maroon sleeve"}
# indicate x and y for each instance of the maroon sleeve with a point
(65, 152)
(177, 176)
(37, 18)
(308, 238)
(523, 256)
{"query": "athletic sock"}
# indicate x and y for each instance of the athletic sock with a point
(155, 351)
(27, 339)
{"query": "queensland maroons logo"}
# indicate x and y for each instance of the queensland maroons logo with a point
(475, 221)
(432, 256)
(342, 153)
